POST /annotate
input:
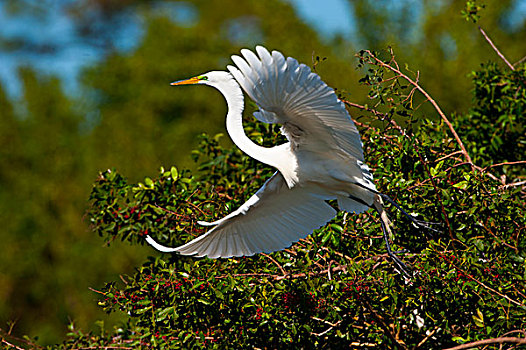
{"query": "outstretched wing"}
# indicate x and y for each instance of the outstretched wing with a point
(271, 220)
(290, 94)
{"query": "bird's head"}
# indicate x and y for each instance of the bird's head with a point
(213, 78)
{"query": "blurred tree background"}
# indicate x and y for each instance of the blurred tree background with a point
(56, 138)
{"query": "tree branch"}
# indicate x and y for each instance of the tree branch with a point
(501, 340)
(495, 48)
(506, 163)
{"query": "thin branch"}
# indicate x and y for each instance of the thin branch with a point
(514, 184)
(275, 263)
(506, 163)
(519, 61)
(495, 48)
(431, 178)
(356, 105)
(166, 210)
(12, 338)
(489, 288)
(448, 156)
(195, 207)
(97, 291)
(498, 239)
(428, 336)
(103, 348)
(501, 340)
(11, 345)
(332, 325)
(376, 113)
(342, 268)
(431, 100)
(402, 131)
(323, 272)
(521, 331)
(361, 345)
(326, 322)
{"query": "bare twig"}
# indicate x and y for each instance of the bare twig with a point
(495, 48)
(376, 113)
(506, 163)
(103, 348)
(500, 340)
(435, 105)
(521, 331)
(28, 344)
(97, 291)
(519, 61)
(166, 210)
(323, 272)
(195, 207)
(489, 288)
(356, 105)
(430, 99)
(300, 275)
(11, 346)
(428, 336)
(332, 325)
(448, 156)
(361, 345)
(275, 263)
(514, 184)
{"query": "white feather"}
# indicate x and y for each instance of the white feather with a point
(269, 223)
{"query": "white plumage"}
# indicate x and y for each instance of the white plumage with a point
(323, 159)
(272, 219)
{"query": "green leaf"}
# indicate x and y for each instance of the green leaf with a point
(174, 173)
(148, 182)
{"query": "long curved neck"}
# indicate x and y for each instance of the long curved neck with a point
(234, 125)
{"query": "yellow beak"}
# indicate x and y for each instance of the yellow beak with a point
(190, 81)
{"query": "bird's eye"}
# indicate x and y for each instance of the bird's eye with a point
(202, 77)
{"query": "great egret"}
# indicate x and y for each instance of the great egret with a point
(322, 160)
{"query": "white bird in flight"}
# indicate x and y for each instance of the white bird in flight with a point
(322, 160)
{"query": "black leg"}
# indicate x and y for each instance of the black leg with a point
(401, 266)
(418, 223)
(399, 263)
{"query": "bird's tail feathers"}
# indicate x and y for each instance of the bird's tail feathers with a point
(350, 205)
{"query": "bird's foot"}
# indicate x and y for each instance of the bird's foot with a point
(402, 267)
(427, 226)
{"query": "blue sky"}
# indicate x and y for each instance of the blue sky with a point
(326, 16)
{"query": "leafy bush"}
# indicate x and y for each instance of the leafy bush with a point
(336, 288)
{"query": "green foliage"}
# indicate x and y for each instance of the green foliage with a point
(337, 288)
(499, 113)
(471, 11)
